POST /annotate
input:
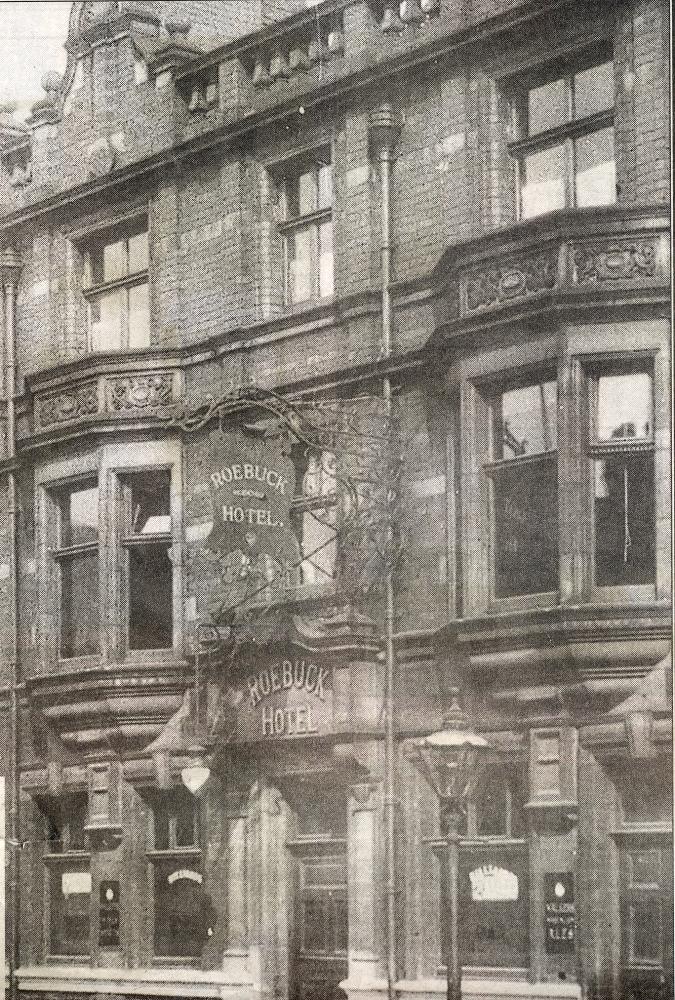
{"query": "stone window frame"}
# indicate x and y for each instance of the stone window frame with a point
(94, 289)
(109, 464)
(282, 172)
(520, 143)
(568, 352)
(512, 841)
(173, 858)
(495, 466)
(593, 369)
(74, 858)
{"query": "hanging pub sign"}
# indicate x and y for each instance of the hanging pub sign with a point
(560, 919)
(288, 696)
(251, 483)
(109, 914)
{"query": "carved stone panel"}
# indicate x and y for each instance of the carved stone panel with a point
(67, 405)
(139, 392)
(497, 284)
(619, 260)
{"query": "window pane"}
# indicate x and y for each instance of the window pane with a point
(543, 182)
(494, 904)
(115, 260)
(307, 201)
(183, 914)
(625, 407)
(594, 90)
(491, 806)
(319, 479)
(185, 822)
(526, 421)
(624, 520)
(319, 545)
(325, 185)
(548, 106)
(160, 818)
(79, 517)
(150, 598)
(299, 250)
(326, 259)
(69, 912)
(139, 317)
(106, 321)
(138, 253)
(150, 503)
(526, 529)
(596, 171)
(645, 931)
(79, 605)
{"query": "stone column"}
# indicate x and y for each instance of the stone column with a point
(235, 954)
(365, 972)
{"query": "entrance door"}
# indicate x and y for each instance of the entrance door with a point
(647, 922)
(319, 934)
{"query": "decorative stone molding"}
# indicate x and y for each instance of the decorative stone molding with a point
(139, 392)
(518, 278)
(616, 260)
(67, 405)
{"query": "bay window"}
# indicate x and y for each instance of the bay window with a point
(113, 532)
(146, 524)
(563, 137)
(115, 287)
(524, 486)
(77, 558)
(622, 455)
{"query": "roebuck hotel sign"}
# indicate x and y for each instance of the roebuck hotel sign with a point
(251, 483)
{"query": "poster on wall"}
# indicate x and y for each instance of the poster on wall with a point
(560, 921)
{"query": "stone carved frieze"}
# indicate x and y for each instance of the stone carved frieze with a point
(67, 405)
(139, 392)
(498, 283)
(614, 261)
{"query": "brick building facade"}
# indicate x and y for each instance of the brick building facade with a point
(257, 258)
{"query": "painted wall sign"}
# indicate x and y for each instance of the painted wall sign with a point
(75, 883)
(109, 914)
(491, 884)
(251, 483)
(560, 918)
(285, 698)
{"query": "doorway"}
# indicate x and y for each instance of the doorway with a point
(319, 932)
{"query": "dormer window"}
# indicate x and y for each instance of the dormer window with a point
(116, 288)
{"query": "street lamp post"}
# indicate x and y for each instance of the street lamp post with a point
(449, 760)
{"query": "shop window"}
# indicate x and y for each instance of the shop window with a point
(564, 137)
(523, 472)
(68, 874)
(183, 913)
(77, 557)
(315, 514)
(116, 289)
(622, 450)
(306, 228)
(493, 877)
(147, 539)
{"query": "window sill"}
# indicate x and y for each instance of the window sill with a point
(629, 594)
(67, 857)
(174, 854)
(523, 602)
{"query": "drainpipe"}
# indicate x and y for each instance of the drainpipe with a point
(384, 132)
(10, 268)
